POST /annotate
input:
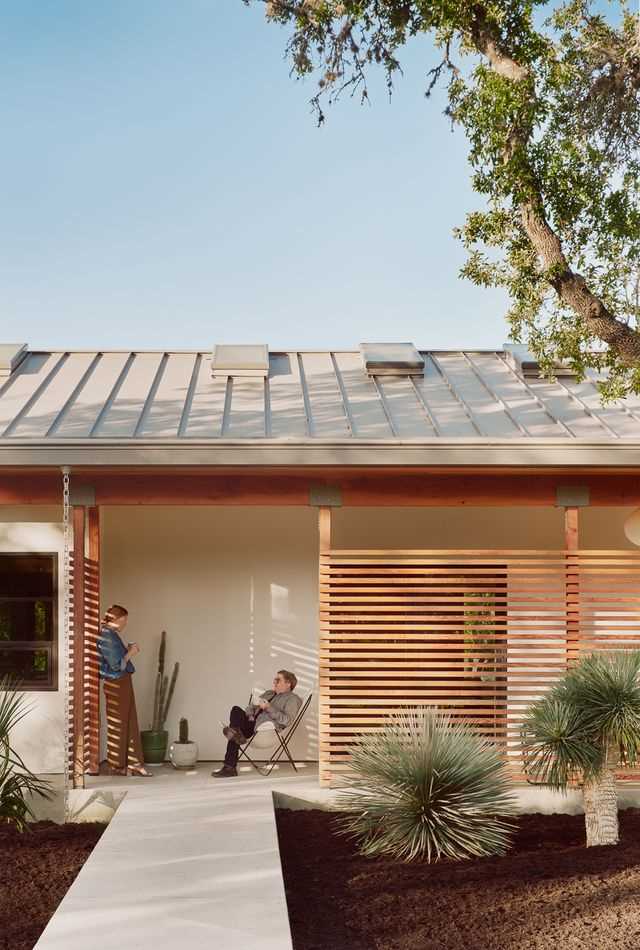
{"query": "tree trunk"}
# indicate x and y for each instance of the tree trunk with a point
(601, 809)
(572, 288)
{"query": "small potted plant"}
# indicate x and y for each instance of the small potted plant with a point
(183, 753)
(156, 739)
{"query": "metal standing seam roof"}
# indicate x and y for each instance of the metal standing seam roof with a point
(308, 399)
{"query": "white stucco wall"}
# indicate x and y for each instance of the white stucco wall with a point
(448, 527)
(236, 590)
(39, 737)
(462, 527)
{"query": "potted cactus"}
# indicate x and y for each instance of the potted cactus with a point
(183, 753)
(155, 739)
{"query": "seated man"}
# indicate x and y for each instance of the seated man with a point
(279, 706)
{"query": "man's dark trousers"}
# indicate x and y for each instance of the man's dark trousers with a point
(239, 720)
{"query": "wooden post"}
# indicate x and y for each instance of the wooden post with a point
(77, 658)
(324, 529)
(91, 671)
(571, 529)
(324, 547)
(572, 582)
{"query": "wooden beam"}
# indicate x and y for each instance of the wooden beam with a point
(30, 488)
(374, 488)
(76, 678)
(324, 529)
(571, 529)
(94, 533)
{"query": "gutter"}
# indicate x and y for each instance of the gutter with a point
(467, 452)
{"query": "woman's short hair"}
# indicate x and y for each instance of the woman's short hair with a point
(115, 612)
(291, 678)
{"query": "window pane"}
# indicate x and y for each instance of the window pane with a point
(26, 620)
(32, 667)
(30, 575)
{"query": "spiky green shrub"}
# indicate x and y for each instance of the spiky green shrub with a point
(587, 725)
(426, 787)
(17, 783)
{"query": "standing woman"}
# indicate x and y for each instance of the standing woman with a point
(124, 748)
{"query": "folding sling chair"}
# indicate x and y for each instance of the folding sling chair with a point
(280, 744)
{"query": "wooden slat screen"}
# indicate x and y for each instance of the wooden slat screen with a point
(88, 747)
(478, 633)
(91, 668)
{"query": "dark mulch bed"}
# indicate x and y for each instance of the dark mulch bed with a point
(36, 870)
(549, 891)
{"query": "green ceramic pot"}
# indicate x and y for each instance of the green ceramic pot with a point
(154, 745)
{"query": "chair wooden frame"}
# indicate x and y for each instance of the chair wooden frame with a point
(283, 737)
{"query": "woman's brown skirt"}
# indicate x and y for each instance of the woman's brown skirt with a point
(124, 747)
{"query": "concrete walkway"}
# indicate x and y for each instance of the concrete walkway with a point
(191, 862)
(187, 861)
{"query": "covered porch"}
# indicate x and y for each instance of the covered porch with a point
(379, 589)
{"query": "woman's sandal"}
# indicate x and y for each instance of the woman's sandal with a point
(140, 772)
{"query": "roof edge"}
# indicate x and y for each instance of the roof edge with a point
(472, 454)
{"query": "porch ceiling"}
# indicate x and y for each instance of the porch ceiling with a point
(314, 408)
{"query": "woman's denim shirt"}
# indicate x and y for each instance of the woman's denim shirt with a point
(112, 652)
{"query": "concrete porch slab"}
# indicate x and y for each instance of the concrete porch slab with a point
(186, 860)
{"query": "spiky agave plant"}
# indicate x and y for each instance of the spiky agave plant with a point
(587, 725)
(426, 787)
(17, 783)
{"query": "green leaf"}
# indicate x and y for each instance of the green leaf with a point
(427, 787)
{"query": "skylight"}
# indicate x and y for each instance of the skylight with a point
(230, 359)
(392, 359)
(526, 364)
(11, 355)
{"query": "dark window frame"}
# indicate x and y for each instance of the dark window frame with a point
(51, 646)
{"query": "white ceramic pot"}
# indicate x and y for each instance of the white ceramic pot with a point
(183, 755)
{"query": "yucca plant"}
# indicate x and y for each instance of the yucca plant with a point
(426, 787)
(587, 725)
(17, 782)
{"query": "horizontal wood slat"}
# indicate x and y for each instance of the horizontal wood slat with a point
(89, 590)
(479, 633)
(91, 666)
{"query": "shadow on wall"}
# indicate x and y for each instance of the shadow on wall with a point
(298, 657)
(236, 590)
(282, 650)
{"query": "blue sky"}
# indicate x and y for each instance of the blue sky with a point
(163, 184)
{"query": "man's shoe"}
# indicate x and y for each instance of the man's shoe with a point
(227, 771)
(236, 735)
